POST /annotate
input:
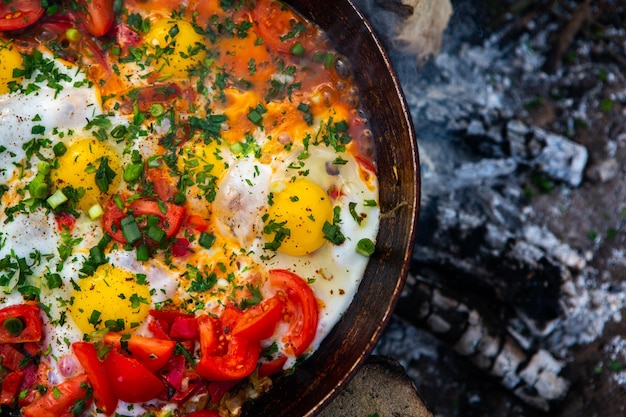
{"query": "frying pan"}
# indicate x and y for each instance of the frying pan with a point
(322, 376)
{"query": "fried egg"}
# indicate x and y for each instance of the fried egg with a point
(272, 181)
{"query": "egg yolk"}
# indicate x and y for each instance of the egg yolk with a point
(176, 46)
(303, 207)
(79, 166)
(207, 157)
(109, 296)
(9, 59)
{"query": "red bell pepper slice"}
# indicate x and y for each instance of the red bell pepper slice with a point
(20, 323)
(87, 355)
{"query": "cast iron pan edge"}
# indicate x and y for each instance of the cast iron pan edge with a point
(321, 377)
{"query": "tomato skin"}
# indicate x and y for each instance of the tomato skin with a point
(184, 328)
(95, 15)
(272, 367)
(301, 310)
(18, 14)
(172, 219)
(28, 314)
(150, 352)
(87, 355)
(11, 357)
(11, 387)
(131, 381)
(58, 402)
(111, 219)
(259, 321)
(239, 361)
(224, 356)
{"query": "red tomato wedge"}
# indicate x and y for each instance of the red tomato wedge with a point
(301, 310)
(171, 217)
(18, 14)
(11, 387)
(238, 362)
(95, 15)
(20, 323)
(151, 353)
(131, 381)
(57, 402)
(224, 356)
(87, 355)
(11, 357)
(259, 322)
(272, 367)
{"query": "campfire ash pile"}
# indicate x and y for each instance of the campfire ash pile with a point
(499, 290)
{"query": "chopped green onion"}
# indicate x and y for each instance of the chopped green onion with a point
(38, 187)
(73, 35)
(365, 247)
(154, 162)
(95, 211)
(56, 199)
(255, 117)
(297, 49)
(43, 167)
(236, 148)
(157, 234)
(156, 110)
(130, 229)
(96, 254)
(59, 149)
(206, 240)
(133, 172)
(143, 254)
(14, 326)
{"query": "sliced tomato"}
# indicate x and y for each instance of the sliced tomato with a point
(301, 310)
(276, 24)
(152, 353)
(111, 219)
(239, 361)
(87, 355)
(184, 328)
(20, 323)
(58, 401)
(18, 14)
(272, 367)
(95, 15)
(171, 215)
(11, 387)
(259, 322)
(131, 381)
(11, 357)
(209, 332)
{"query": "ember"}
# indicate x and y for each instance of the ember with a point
(513, 305)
